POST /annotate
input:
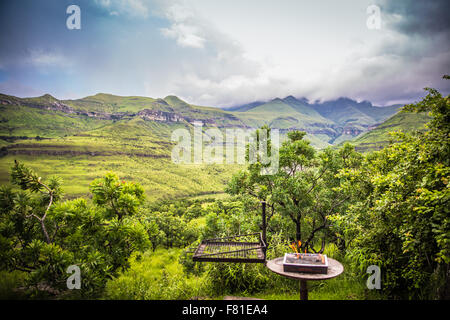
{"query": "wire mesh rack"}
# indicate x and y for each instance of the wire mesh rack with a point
(246, 248)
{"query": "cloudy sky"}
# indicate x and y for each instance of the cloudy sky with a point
(226, 52)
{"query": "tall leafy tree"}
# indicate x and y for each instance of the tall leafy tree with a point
(41, 236)
(400, 221)
(303, 189)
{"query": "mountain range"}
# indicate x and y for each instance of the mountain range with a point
(81, 139)
(330, 121)
(326, 123)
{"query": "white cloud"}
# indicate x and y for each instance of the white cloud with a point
(133, 8)
(217, 73)
(298, 49)
(224, 53)
(185, 35)
(185, 28)
(47, 59)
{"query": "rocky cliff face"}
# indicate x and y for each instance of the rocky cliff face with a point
(56, 105)
(161, 111)
(352, 131)
(157, 115)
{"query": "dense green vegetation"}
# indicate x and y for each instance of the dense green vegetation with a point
(42, 235)
(83, 139)
(379, 137)
(131, 148)
(400, 218)
(387, 208)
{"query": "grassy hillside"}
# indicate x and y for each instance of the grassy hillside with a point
(346, 111)
(289, 114)
(82, 139)
(17, 120)
(329, 122)
(283, 114)
(379, 137)
(80, 148)
(111, 103)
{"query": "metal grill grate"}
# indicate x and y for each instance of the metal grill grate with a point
(232, 249)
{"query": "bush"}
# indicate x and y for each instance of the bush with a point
(155, 276)
(400, 218)
(230, 278)
(43, 236)
(9, 282)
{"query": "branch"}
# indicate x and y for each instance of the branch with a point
(289, 213)
(311, 236)
(315, 181)
(41, 220)
(57, 227)
(337, 205)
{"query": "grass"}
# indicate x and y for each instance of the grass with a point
(135, 149)
(155, 276)
(32, 122)
(333, 289)
(9, 282)
(159, 275)
(380, 136)
(161, 179)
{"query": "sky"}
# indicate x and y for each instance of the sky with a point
(226, 52)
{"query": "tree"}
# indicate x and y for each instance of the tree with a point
(26, 179)
(41, 236)
(118, 197)
(400, 221)
(303, 189)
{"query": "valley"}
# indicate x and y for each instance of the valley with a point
(80, 140)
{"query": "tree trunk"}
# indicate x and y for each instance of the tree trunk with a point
(298, 234)
(44, 229)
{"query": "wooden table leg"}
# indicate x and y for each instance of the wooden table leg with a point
(303, 290)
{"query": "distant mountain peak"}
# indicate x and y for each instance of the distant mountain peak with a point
(344, 99)
(291, 98)
(175, 101)
(173, 98)
(48, 97)
(367, 102)
(162, 101)
(277, 100)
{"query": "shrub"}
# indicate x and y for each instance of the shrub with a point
(155, 276)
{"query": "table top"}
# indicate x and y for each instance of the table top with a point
(335, 268)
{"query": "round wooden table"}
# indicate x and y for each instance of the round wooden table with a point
(335, 268)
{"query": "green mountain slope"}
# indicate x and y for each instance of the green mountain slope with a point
(121, 134)
(293, 111)
(287, 114)
(330, 122)
(380, 137)
(82, 139)
(346, 111)
(31, 122)
(302, 106)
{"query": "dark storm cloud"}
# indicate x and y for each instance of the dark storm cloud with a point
(415, 52)
(423, 18)
(161, 47)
